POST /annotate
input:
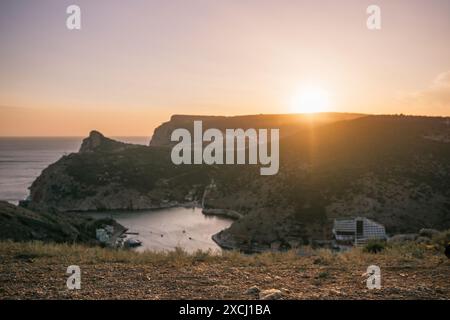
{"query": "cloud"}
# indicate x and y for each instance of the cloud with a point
(442, 80)
(436, 97)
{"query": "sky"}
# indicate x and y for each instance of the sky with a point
(135, 63)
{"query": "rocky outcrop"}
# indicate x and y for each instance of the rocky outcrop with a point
(98, 142)
(91, 143)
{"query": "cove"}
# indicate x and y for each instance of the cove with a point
(167, 229)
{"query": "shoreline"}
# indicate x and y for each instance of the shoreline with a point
(187, 205)
(234, 215)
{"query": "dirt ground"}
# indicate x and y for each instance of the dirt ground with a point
(28, 275)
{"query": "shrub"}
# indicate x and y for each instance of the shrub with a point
(324, 257)
(374, 246)
(202, 256)
(442, 239)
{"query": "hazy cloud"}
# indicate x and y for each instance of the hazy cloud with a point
(437, 95)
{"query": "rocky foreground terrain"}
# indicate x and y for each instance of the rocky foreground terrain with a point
(38, 271)
(392, 169)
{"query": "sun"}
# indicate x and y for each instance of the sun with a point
(310, 100)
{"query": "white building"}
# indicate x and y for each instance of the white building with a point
(357, 230)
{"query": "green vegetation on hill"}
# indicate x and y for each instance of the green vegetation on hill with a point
(20, 224)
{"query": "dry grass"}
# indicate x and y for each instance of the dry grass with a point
(35, 270)
(409, 251)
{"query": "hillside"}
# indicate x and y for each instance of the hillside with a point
(393, 169)
(19, 224)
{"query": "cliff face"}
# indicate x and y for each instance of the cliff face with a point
(382, 167)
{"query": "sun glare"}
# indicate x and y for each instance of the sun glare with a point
(310, 100)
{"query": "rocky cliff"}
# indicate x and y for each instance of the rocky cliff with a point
(382, 167)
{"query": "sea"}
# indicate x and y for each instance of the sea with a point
(22, 159)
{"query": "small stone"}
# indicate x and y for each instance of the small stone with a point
(271, 294)
(335, 291)
(253, 290)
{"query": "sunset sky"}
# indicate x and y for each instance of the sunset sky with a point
(134, 63)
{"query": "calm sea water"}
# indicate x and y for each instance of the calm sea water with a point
(23, 159)
(166, 229)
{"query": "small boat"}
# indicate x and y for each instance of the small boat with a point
(132, 242)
